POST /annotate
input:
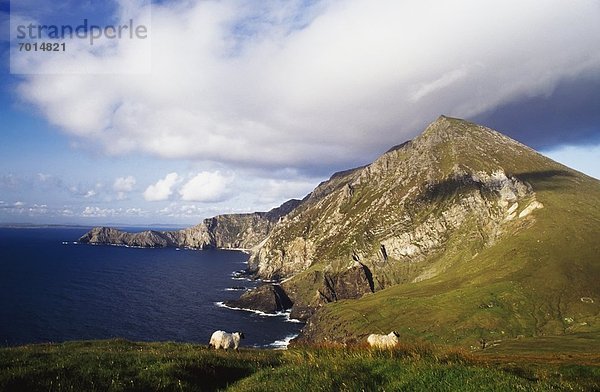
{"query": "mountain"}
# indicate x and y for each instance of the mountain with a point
(233, 231)
(457, 235)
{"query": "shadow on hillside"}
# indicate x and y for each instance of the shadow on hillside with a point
(539, 180)
(545, 179)
(448, 188)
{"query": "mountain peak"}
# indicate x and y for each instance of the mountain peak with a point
(450, 142)
(445, 126)
(461, 214)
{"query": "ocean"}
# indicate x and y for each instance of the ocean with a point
(53, 290)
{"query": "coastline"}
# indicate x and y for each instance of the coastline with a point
(286, 314)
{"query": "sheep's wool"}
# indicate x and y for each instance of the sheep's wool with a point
(383, 341)
(224, 340)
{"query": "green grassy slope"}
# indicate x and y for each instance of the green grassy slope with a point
(476, 274)
(119, 365)
(541, 278)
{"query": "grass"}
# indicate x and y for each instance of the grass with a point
(530, 280)
(530, 283)
(119, 365)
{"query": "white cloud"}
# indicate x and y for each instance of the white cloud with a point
(285, 85)
(162, 189)
(67, 212)
(276, 191)
(194, 212)
(134, 211)
(123, 185)
(98, 212)
(176, 210)
(20, 208)
(82, 190)
(38, 209)
(206, 187)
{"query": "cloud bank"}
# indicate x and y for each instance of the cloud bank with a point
(314, 86)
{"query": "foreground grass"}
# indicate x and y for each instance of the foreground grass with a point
(119, 365)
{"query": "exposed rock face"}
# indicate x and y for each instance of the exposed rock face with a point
(268, 298)
(452, 190)
(108, 235)
(349, 284)
(322, 287)
(223, 231)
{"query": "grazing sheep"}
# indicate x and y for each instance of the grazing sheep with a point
(224, 340)
(383, 341)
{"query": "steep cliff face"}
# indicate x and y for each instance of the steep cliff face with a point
(431, 210)
(109, 235)
(417, 200)
(223, 231)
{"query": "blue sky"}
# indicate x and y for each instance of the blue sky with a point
(245, 104)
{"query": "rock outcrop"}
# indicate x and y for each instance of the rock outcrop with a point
(404, 207)
(351, 283)
(234, 231)
(268, 298)
(396, 216)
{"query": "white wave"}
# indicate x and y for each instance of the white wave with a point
(243, 250)
(240, 278)
(283, 343)
(275, 282)
(119, 245)
(240, 275)
(286, 314)
(237, 289)
(292, 320)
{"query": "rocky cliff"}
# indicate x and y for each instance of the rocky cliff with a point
(234, 231)
(456, 207)
(394, 216)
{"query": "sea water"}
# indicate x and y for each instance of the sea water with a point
(53, 289)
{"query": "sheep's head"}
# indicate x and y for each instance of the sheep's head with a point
(241, 335)
(396, 334)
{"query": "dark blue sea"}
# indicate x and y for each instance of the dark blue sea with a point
(53, 289)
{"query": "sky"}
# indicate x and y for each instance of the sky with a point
(240, 105)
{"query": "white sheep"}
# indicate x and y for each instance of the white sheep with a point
(383, 341)
(224, 340)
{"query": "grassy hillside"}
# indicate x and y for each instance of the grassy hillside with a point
(119, 365)
(466, 235)
(541, 279)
